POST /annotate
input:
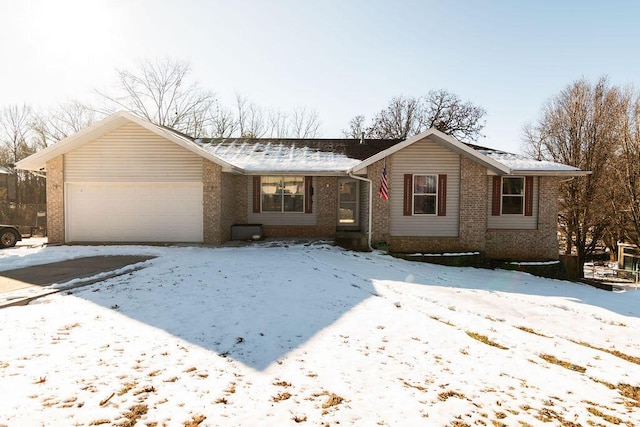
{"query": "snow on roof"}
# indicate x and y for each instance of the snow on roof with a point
(518, 162)
(278, 155)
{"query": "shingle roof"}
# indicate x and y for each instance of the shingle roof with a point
(285, 154)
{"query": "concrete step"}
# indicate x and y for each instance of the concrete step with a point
(352, 240)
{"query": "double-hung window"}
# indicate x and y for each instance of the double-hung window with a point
(425, 194)
(282, 193)
(512, 196)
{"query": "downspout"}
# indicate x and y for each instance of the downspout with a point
(350, 173)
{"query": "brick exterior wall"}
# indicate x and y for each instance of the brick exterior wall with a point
(381, 208)
(326, 204)
(234, 203)
(540, 244)
(55, 200)
(474, 199)
(211, 202)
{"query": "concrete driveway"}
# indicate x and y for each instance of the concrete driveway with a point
(20, 286)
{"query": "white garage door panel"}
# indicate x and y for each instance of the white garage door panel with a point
(134, 212)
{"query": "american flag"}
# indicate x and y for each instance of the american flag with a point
(384, 183)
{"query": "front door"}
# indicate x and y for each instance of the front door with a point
(348, 203)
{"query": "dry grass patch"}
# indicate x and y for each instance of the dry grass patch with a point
(195, 421)
(450, 393)
(485, 340)
(146, 389)
(135, 413)
(299, 419)
(281, 396)
(126, 387)
(282, 384)
(547, 415)
(531, 331)
(100, 422)
(599, 413)
(567, 365)
(416, 386)
(621, 355)
(333, 400)
(630, 392)
(446, 322)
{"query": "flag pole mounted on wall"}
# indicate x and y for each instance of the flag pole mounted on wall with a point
(384, 183)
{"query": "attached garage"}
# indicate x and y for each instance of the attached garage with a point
(133, 185)
(134, 212)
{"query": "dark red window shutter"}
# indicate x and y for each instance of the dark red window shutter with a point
(442, 195)
(497, 194)
(408, 195)
(308, 194)
(528, 196)
(257, 191)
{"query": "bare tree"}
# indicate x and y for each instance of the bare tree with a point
(15, 132)
(625, 175)
(402, 118)
(64, 120)
(254, 121)
(579, 127)
(251, 120)
(25, 191)
(304, 123)
(356, 127)
(407, 116)
(278, 124)
(162, 93)
(223, 123)
(446, 112)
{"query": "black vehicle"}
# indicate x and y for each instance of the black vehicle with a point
(9, 236)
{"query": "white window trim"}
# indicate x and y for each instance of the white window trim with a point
(282, 211)
(413, 194)
(523, 195)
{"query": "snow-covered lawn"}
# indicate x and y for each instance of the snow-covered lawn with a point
(314, 335)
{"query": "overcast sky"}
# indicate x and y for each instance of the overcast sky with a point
(340, 57)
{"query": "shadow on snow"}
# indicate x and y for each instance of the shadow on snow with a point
(254, 305)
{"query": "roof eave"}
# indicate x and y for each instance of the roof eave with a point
(533, 172)
(298, 172)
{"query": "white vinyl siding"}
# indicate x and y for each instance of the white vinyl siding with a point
(131, 153)
(279, 218)
(515, 221)
(134, 212)
(425, 158)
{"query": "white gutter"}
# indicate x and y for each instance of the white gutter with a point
(370, 204)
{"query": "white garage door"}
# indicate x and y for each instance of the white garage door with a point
(134, 212)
